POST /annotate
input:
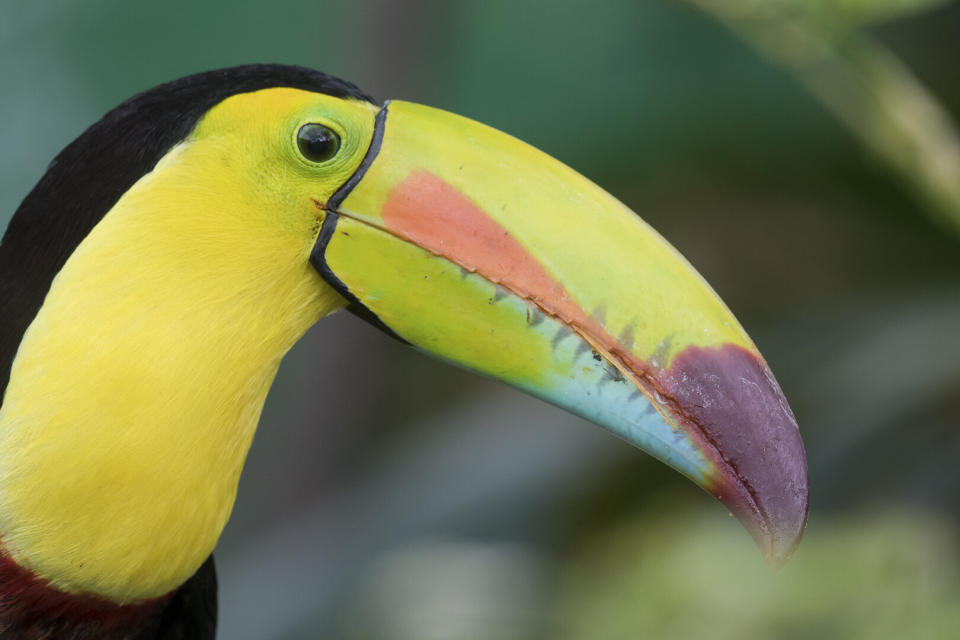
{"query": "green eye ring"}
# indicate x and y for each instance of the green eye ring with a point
(317, 142)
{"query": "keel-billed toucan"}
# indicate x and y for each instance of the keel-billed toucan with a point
(159, 271)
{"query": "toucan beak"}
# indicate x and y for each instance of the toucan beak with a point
(480, 249)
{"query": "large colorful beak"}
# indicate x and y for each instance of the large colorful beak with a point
(480, 249)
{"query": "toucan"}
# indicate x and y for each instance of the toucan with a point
(154, 278)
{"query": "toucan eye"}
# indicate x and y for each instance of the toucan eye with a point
(317, 142)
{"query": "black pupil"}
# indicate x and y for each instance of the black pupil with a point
(317, 142)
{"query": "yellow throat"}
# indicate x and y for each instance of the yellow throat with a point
(136, 390)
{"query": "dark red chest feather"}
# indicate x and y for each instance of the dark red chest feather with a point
(30, 609)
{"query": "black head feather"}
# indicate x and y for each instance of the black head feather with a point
(88, 177)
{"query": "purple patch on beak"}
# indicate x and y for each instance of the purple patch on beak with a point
(730, 396)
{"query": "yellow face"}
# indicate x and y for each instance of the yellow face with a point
(258, 137)
(136, 390)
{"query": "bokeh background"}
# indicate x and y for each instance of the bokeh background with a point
(802, 154)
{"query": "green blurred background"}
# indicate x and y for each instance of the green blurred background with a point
(800, 154)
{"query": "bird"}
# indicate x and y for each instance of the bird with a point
(153, 279)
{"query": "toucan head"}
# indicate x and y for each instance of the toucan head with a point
(281, 202)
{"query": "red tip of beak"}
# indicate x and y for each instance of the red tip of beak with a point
(730, 396)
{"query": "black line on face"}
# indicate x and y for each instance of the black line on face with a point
(341, 194)
(318, 255)
(319, 261)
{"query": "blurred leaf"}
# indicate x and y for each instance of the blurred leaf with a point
(865, 86)
(886, 575)
(872, 10)
(847, 11)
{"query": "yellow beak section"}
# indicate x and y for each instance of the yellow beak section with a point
(480, 249)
